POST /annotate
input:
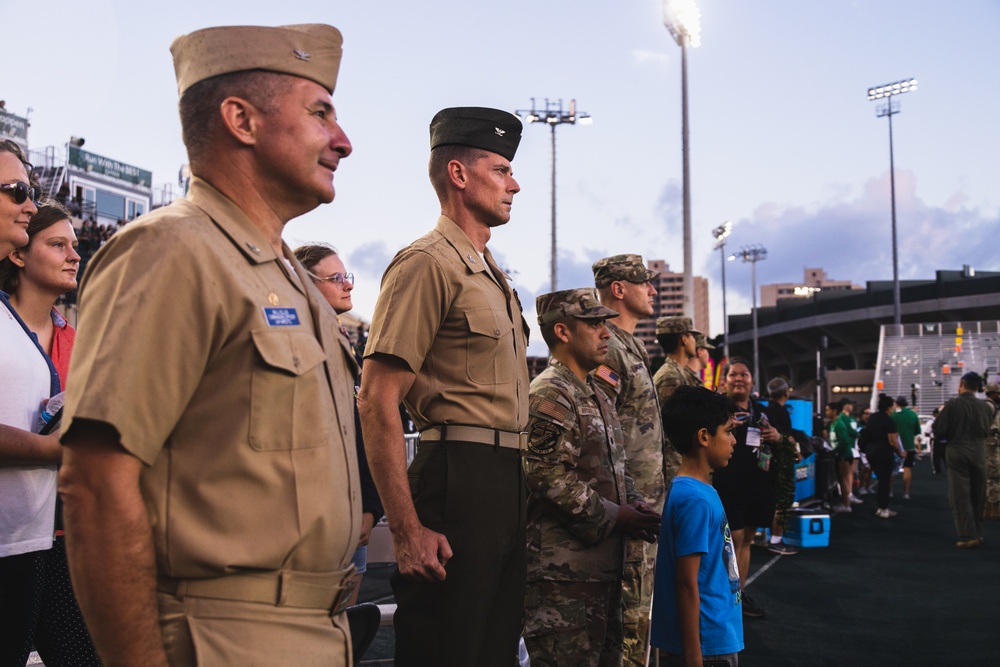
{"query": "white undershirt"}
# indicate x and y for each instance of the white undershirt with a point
(27, 493)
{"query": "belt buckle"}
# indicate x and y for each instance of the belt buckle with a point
(343, 598)
(522, 442)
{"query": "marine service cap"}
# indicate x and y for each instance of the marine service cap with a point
(477, 127)
(621, 267)
(311, 51)
(668, 325)
(581, 303)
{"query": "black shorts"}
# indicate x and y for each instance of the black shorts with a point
(911, 458)
(749, 500)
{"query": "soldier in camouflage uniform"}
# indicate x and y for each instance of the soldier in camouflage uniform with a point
(699, 362)
(992, 510)
(581, 504)
(678, 338)
(623, 284)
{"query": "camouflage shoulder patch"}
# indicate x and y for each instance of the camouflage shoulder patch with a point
(608, 375)
(543, 437)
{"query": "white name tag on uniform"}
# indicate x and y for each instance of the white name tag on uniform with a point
(753, 437)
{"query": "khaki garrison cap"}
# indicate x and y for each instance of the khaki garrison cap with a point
(311, 51)
(667, 325)
(580, 303)
(621, 267)
(477, 127)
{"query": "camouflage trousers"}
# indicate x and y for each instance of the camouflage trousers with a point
(992, 481)
(637, 596)
(573, 623)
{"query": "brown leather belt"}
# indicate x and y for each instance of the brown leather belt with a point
(486, 436)
(285, 588)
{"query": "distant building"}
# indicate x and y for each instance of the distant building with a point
(814, 280)
(92, 186)
(669, 302)
(843, 327)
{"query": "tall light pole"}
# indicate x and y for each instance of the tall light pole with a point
(753, 254)
(721, 233)
(683, 20)
(554, 115)
(889, 109)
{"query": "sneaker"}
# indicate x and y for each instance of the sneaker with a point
(906, 496)
(862, 491)
(751, 609)
(782, 549)
(885, 514)
(961, 544)
(855, 500)
(839, 509)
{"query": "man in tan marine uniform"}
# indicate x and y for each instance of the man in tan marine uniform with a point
(448, 338)
(210, 479)
(623, 284)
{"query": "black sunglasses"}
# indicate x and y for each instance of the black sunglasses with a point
(21, 191)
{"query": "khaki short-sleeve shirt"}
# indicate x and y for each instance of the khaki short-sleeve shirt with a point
(223, 370)
(457, 324)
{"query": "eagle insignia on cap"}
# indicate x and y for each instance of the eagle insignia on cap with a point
(302, 55)
(500, 132)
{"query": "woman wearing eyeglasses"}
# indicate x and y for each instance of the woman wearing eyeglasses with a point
(335, 284)
(27, 460)
(35, 276)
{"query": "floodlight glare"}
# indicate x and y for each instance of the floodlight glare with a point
(889, 89)
(683, 20)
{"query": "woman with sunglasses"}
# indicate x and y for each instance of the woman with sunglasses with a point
(331, 278)
(27, 460)
(35, 276)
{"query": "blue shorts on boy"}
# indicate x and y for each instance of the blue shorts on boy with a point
(695, 523)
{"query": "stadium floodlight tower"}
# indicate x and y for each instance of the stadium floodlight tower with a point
(553, 114)
(753, 254)
(721, 233)
(889, 108)
(683, 20)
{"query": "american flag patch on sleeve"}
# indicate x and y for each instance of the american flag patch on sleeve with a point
(552, 409)
(607, 375)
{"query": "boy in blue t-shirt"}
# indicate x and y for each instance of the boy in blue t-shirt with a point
(697, 616)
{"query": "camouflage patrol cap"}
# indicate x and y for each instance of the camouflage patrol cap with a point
(700, 341)
(311, 51)
(668, 325)
(621, 267)
(580, 303)
(477, 127)
(992, 388)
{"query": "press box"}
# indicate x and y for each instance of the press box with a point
(808, 530)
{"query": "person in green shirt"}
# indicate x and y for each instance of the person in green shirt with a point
(908, 424)
(844, 430)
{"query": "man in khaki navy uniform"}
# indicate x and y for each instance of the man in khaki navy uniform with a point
(582, 502)
(623, 283)
(448, 337)
(210, 475)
